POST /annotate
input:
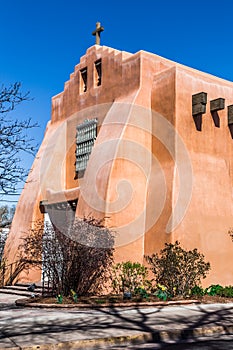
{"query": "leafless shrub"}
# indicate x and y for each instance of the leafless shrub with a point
(80, 260)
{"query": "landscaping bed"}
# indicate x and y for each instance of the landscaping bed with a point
(118, 300)
(211, 299)
(176, 280)
(98, 300)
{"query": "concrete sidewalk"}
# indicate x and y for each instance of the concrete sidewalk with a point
(34, 328)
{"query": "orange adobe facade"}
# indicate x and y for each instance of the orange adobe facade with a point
(145, 143)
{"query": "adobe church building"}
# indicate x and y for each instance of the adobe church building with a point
(146, 143)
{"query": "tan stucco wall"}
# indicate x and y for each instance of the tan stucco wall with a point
(151, 173)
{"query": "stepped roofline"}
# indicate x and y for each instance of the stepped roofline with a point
(100, 50)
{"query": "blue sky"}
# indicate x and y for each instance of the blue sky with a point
(42, 41)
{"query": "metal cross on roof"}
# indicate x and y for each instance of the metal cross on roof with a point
(97, 32)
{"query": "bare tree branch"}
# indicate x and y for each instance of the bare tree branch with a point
(6, 216)
(5, 224)
(14, 139)
(80, 260)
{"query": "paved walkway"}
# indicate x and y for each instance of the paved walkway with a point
(33, 328)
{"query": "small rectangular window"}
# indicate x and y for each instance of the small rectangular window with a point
(98, 72)
(83, 80)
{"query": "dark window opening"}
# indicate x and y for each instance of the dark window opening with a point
(98, 72)
(83, 80)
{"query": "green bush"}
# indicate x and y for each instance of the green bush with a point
(74, 295)
(198, 291)
(129, 277)
(178, 269)
(142, 293)
(214, 289)
(59, 298)
(217, 289)
(228, 292)
(161, 292)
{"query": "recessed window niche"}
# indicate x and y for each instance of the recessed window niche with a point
(85, 139)
(98, 73)
(83, 80)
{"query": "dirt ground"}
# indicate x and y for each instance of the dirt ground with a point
(118, 299)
